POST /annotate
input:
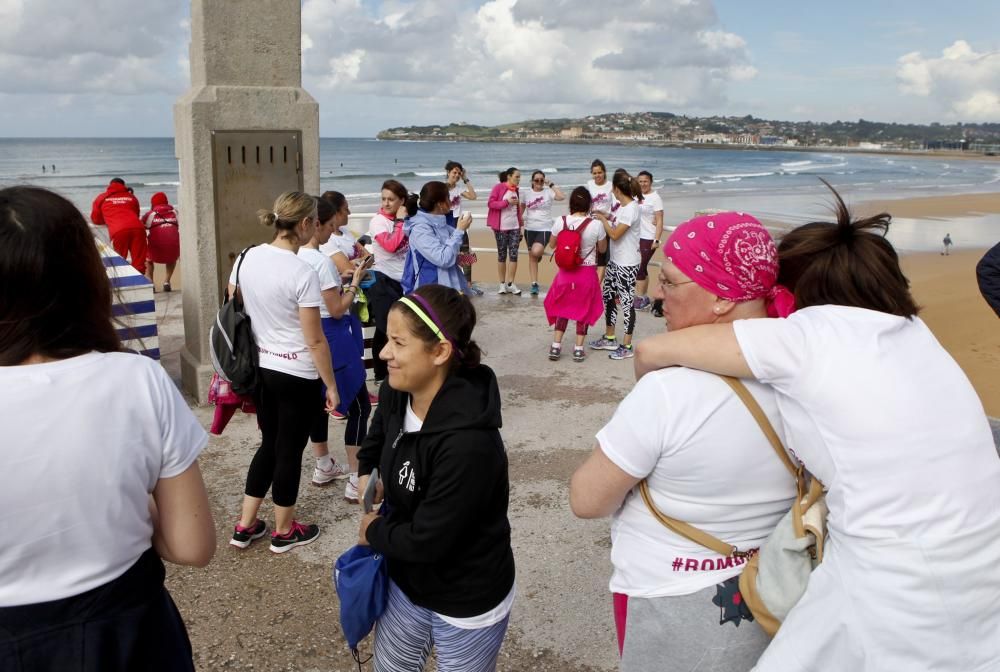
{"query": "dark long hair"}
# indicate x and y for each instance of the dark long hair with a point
(846, 263)
(580, 200)
(457, 318)
(431, 194)
(56, 298)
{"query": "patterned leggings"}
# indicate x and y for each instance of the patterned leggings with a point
(405, 634)
(619, 283)
(507, 244)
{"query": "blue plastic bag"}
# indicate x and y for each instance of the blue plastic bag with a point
(362, 582)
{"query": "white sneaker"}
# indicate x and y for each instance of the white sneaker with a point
(512, 289)
(503, 289)
(327, 476)
(351, 489)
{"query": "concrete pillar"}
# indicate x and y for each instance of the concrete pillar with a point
(246, 81)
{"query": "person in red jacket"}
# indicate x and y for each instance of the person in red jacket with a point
(118, 209)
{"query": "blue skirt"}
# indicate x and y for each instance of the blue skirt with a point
(347, 347)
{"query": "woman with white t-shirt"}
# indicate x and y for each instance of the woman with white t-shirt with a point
(536, 213)
(281, 295)
(602, 201)
(504, 217)
(342, 329)
(650, 231)
(575, 294)
(882, 415)
(390, 246)
(706, 462)
(454, 171)
(342, 247)
(444, 533)
(618, 284)
(100, 481)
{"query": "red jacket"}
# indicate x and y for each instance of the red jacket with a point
(117, 209)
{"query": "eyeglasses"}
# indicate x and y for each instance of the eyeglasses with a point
(540, 180)
(666, 284)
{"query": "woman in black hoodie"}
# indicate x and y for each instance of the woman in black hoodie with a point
(435, 439)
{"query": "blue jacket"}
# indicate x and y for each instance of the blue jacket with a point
(433, 255)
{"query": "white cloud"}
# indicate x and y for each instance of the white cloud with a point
(963, 83)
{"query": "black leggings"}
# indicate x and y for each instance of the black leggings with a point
(357, 421)
(381, 296)
(286, 408)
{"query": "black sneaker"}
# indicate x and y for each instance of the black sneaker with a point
(243, 536)
(299, 535)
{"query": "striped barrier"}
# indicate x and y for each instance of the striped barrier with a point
(133, 309)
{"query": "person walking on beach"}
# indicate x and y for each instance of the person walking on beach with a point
(445, 533)
(575, 293)
(618, 286)
(342, 329)
(434, 245)
(164, 238)
(650, 231)
(390, 246)
(705, 459)
(882, 415)
(947, 244)
(536, 213)
(118, 209)
(602, 201)
(101, 482)
(281, 293)
(504, 217)
(457, 193)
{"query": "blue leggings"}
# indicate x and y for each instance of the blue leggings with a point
(405, 634)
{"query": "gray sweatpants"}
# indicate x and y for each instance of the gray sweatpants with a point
(682, 634)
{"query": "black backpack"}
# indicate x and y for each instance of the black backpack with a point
(231, 342)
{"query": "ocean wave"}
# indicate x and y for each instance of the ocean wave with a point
(793, 164)
(821, 166)
(740, 175)
(157, 184)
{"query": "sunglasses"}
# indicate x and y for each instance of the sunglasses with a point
(539, 180)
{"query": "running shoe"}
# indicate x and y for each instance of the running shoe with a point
(298, 535)
(328, 476)
(244, 536)
(622, 352)
(337, 415)
(502, 289)
(351, 489)
(475, 290)
(643, 303)
(604, 344)
(373, 399)
(579, 354)
(657, 309)
(167, 287)
(534, 289)
(554, 353)
(512, 289)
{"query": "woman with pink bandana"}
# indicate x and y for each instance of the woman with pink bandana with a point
(705, 460)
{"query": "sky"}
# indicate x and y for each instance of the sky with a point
(96, 68)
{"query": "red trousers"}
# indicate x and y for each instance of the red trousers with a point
(131, 244)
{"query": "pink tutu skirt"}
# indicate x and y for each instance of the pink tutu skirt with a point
(576, 296)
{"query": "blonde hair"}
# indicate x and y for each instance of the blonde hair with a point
(289, 209)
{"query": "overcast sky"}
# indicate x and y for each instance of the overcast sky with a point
(115, 67)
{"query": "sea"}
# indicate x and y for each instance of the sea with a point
(774, 185)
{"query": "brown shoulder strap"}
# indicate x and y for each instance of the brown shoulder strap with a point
(758, 414)
(685, 530)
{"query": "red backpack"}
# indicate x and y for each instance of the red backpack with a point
(569, 242)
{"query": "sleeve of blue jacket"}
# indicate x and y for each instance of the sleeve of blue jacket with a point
(988, 275)
(441, 253)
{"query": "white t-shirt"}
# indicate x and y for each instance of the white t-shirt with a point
(455, 195)
(344, 244)
(651, 204)
(508, 216)
(625, 250)
(885, 418)
(708, 463)
(412, 423)
(275, 283)
(389, 263)
(537, 208)
(83, 442)
(601, 197)
(588, 244)
(325, 271)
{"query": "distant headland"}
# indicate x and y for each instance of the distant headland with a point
(748, 132)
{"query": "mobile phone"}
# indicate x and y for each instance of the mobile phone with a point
(368, 261)
(368, 498)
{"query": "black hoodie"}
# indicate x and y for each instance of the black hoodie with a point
(446, 536)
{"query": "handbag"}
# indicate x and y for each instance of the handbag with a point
(776, 575)
(467, 258)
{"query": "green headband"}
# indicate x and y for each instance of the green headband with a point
(412, 305)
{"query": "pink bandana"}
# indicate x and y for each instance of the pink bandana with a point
(731, 255)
